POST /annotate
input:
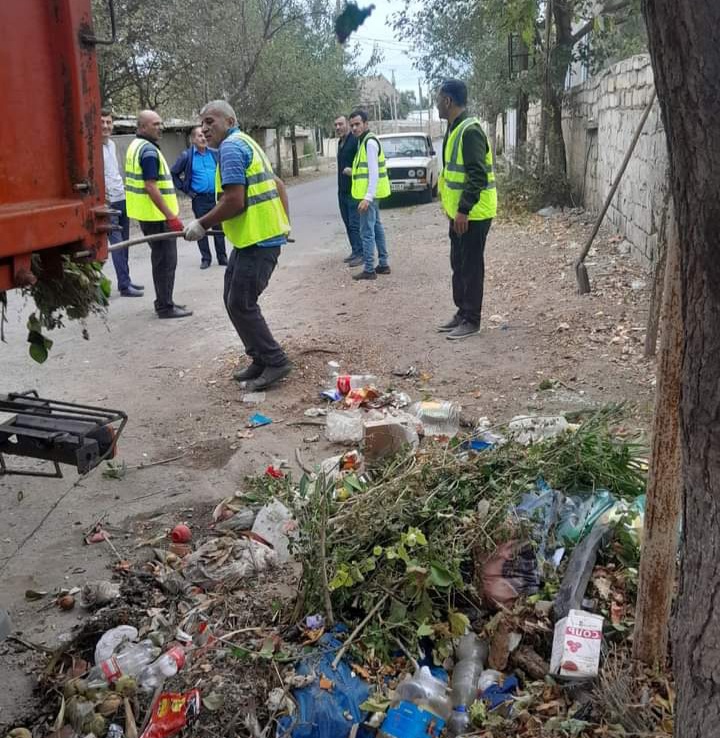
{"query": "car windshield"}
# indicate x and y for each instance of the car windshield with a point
(404, 146)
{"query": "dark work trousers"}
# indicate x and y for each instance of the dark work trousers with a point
(163, 258)
(351, 219)
(247, 275)
(467, 259)
(120, 258)
(203, 203)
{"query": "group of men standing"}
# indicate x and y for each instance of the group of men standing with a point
(232, 185)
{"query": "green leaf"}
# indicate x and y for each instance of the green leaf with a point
(268, 648)
(459, 622)
(424, 630)
(377, 551)
(38, 352)
(105, 286)
(241, 654)
(376, 703)
(352, 481)
(33, 324)
(440, 576)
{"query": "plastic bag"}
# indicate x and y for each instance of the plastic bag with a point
(510, 572)
(172, 712)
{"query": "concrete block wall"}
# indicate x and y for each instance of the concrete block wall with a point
(599, 121)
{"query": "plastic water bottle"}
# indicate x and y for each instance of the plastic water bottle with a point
(459, 722)
(128, 662)
(347, 382)
(439, 418)
(472, 653)
(166, 666)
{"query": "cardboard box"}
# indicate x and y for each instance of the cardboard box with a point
(386, 437)
(576, 645)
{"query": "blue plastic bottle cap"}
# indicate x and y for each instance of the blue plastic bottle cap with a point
(461, 708)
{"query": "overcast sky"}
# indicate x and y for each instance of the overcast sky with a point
(378, 28)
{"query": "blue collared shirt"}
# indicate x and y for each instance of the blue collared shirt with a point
(202, 180)
(235, 158)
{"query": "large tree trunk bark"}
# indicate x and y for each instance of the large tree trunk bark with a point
(293, 146)
(686, 59)
(664, 496)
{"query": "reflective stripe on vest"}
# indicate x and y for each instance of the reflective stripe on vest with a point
(264, 216)
(453, 177)
(138, 202)
(361, 174)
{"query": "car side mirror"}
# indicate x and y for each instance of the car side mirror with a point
(432, 152)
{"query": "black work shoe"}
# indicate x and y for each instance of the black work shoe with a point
(382, 270)
(222, 261)
(132, 292)
(270, 375)
(464, 330)
(204, 265)
(365, 275)
(451, 325)
(174, 312)
(137, 286)
(355, 261)
(252, 371)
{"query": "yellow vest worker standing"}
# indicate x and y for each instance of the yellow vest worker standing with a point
(370, 184)
(253, 209)
(151, 200)
(469, 199)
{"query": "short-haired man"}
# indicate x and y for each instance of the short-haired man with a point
(194, 174)
(370, 184)
(115, 198)
(469, 198)
(347, 148)
(253, 209)
(152, 201)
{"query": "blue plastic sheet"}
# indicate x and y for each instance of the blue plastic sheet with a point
(326, 713)
(497, 694)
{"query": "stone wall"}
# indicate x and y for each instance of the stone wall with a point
(599, 121)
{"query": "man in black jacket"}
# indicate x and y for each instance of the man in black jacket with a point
(194, 174)
(347, 148)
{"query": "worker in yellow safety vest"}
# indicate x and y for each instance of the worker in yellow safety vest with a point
(370, 184)
(252, 207)
(151, 200)
(469, 199)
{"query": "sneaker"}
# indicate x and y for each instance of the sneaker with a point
(449, 326)
(270, 375)
(252, 371)
(204, 265)
(355, 261)
(348, 258)
(364, 275)
(464, 330)
(382, 270)
(132, 292)
(174, 312)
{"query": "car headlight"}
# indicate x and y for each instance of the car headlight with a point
(420, 172)
(411, 172)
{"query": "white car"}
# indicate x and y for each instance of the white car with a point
(411, 164)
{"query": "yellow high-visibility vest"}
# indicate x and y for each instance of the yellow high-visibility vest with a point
(264, 216)
(360, 173)
(138, 202)
(453, 177)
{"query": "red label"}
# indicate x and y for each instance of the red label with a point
(111, 669)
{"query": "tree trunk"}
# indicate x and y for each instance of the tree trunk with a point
(556, 137)
(293, 147)
(686, 62)
(278, 151)
(664, 494)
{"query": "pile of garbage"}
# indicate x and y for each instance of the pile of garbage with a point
(419, 584)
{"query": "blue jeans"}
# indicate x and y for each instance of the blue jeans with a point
(120, 258)
(202, 204)
(373, 236)
(351, 219)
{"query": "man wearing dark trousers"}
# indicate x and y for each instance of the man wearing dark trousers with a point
(347, 148)
(469, 199)
(151, 200)
(194, 174)
(253, 209)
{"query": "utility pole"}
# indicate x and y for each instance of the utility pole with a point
(420, 105)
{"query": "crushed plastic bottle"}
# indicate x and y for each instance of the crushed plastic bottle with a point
(425, 691)
(439, 418)
(169, 664)
(112, 639)
(128, 662)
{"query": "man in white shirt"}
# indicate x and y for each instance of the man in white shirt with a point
(115, 198)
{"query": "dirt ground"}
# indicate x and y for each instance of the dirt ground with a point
(542, 349)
